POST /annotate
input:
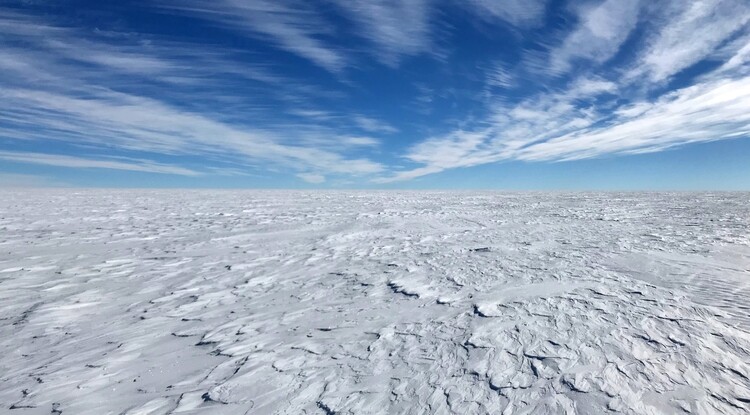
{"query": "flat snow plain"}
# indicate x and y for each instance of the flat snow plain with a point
(184, 302)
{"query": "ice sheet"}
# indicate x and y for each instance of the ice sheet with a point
(156, 302)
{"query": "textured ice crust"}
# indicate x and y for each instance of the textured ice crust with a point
(171, 302)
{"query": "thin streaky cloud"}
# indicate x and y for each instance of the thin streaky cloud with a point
(78, 105)
(95, 163)
(312, 178)
(693, 32)
(26, 181)
(713, 110)
(142, 124)
(383, 23)
(520, 13)
(706, 112)
(601, 31)
(331, 91)
(374, 126)
(290, 25)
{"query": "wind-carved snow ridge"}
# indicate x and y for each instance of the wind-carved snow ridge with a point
(174, 302)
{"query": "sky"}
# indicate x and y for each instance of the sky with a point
(455, 94)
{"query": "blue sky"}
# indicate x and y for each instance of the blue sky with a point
(513, 94)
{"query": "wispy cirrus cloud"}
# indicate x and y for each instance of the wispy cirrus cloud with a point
(602, 29)
(332, 88)
(42, 53)
(291, 25)
(555, 130)
(500, 76)
(395, 28)
(516, 12)
(705, 112)
(95, 163)
(358, 121)
(738, 57)
(616, 112)
(25, 181)
(691, 32)
(146, 125)
(312, 178)
(299, 28)
(72, 92)
(372, 125)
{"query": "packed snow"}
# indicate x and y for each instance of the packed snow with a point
(224, 302)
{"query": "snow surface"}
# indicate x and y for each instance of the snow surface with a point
(154, 302)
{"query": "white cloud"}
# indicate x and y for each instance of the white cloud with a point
(122, 59)
(509, 129)
(396, 27)
(588, 87)
(457, 149)
(595, 115)
(739, 58)
(359, 141)
(516, 12)
(328, 118)
(291, 25)
(499, 76)
(230, 171)
(62, 84)
(142, 124)
(64, 88)
(61, 58)
(705, 112)
(550, 128)
(312, 178)
(409, 174)
(372, 125)
(601, 31)
(12, 180)
(81, 162)
(691, 32)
